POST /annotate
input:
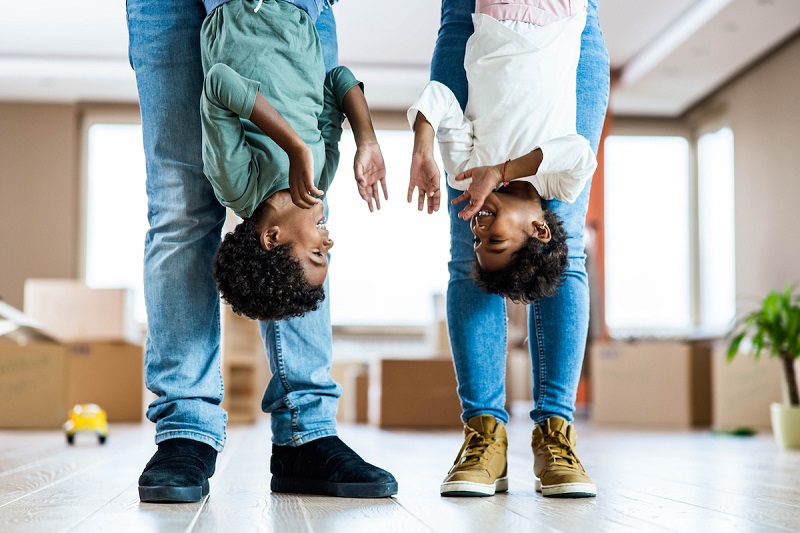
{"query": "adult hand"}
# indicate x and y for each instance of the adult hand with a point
(425, 178)
(484, 181)
(370, 170)
(301, 178)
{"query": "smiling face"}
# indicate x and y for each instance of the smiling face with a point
(505, 222)
(303, 229)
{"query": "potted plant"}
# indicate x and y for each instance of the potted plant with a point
(775, 327)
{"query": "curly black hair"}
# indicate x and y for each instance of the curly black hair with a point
(262, 284)
(535, 271)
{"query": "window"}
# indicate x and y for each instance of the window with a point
(647, 239)
(716, 230)
(385, 266)
(116, 209)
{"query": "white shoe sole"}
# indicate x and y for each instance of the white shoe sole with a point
(567, 490)
(468, 488)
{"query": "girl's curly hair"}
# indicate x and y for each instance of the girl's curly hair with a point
(535, 271)
(262, 284)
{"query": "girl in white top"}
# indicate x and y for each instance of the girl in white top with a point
(518, 133)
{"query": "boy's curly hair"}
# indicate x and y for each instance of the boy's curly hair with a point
(535, 271)
(261, 284)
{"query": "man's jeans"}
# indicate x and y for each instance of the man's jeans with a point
(557, 326)
(182, 358)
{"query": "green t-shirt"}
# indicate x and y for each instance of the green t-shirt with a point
(275, 51)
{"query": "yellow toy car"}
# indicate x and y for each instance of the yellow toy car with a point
(86, 417)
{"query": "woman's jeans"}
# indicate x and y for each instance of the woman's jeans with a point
(557, 326)
(182, 354)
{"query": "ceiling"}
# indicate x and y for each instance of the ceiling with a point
(669, 53)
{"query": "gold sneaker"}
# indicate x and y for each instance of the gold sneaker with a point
(480, 468)
(558, 470)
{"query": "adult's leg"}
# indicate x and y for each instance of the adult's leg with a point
(558, 325)
(476, 321)
(307, 456)
(182, 365)
(301, 396)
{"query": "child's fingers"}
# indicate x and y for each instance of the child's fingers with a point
(366, 195)
(312, 190)
(421, 200)
(410, 195)
(464, 175)
(385, 190)
(463, 197)
(299, 200)
(376, 195)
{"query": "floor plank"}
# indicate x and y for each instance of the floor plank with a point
(648, 480)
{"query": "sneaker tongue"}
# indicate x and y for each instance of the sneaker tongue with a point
(483, 423)
(557, 423)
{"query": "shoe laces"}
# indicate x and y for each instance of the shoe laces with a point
(476, 450)
(559, 449)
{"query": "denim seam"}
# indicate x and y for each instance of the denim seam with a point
(295, 412)
(505, 354)
(542, 392)
(191, 435)
(299, 440)
(279, 359)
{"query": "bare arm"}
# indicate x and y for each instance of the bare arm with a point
(368, 166)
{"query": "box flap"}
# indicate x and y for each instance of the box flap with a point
(71, 311)
(19, 328)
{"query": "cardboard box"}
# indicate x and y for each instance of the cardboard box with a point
(651, 383)
(245, 369)
(744, 389)
(70, 311)
(519, 377)
(413, 393)
(110, 374)
(41, 378)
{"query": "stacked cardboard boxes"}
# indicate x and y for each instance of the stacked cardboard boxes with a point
(244, 367)
(73, 346)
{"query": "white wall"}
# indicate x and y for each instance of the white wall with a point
(763, 109)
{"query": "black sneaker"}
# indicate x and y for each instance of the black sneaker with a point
(178, 472)
(328, 467)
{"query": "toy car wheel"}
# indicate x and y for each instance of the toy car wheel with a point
(102, 439)
(70, 438)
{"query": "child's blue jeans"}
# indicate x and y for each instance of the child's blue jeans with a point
(557, 326)
(182, 363)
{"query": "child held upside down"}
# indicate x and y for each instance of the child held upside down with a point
(515, 145)
(272, 120)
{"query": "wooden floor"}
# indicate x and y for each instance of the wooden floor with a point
(647, 481)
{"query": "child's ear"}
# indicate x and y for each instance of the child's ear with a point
(541, 231)
(270, 237)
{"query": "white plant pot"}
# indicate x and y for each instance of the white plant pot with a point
(786, 425)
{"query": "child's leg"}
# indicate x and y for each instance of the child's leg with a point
(441, 109)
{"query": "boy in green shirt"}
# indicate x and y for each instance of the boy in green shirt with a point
(272, 119)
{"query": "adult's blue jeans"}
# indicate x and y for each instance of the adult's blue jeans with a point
(557, 326)
(182, 354)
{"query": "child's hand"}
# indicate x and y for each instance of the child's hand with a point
(301, 178)
(370, 170)
(425, 177)
(484, 181)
